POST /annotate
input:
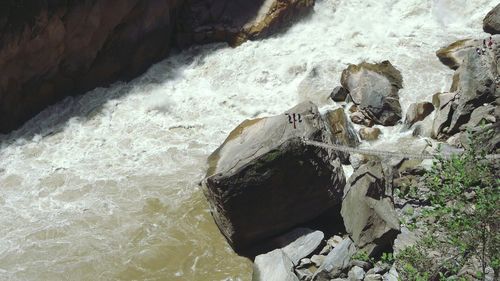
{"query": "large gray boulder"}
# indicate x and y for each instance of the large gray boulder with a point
(374, 88)
(264, 179)
(337, 261)
(491, 22)
(368, 213)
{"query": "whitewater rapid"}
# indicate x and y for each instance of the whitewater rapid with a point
(104, 186)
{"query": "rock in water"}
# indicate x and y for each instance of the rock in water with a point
(368, 214)
(339, 94)
(342, 130)
(491, 23)
(235, 21)
(374, 88)
(273, 266)
(264, 179)
(369, 134)
(336, 262)
(417, 112)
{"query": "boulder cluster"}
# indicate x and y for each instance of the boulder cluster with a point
(269, 178)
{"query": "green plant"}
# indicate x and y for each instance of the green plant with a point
(363, 256)
(387, 258)
(463, 219)
(465, 196)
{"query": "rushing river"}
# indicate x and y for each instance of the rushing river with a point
(104, 186)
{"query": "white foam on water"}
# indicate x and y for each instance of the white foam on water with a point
(104, 186)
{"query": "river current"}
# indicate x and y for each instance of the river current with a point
(104, 186)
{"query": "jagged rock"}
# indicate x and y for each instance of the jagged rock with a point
(52, 49)
(356, 274)
(374, 89)
(417, 112)
(305, 241)
(482, 115)
(369, 134)
(339, 94)
(453, 55)
(368, 214)
(235, 21)
(336, 262)
(392, 275)
(443, 104)
(491, 23)
(342, 130)
(275, 265)
(373, 277)
(264, 179)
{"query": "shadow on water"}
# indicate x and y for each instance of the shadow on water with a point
(330, 223)
(82, 108)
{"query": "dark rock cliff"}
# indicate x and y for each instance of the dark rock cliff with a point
(50, 49)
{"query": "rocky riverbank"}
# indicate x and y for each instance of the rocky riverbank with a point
(53, 49)
(267, 178)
